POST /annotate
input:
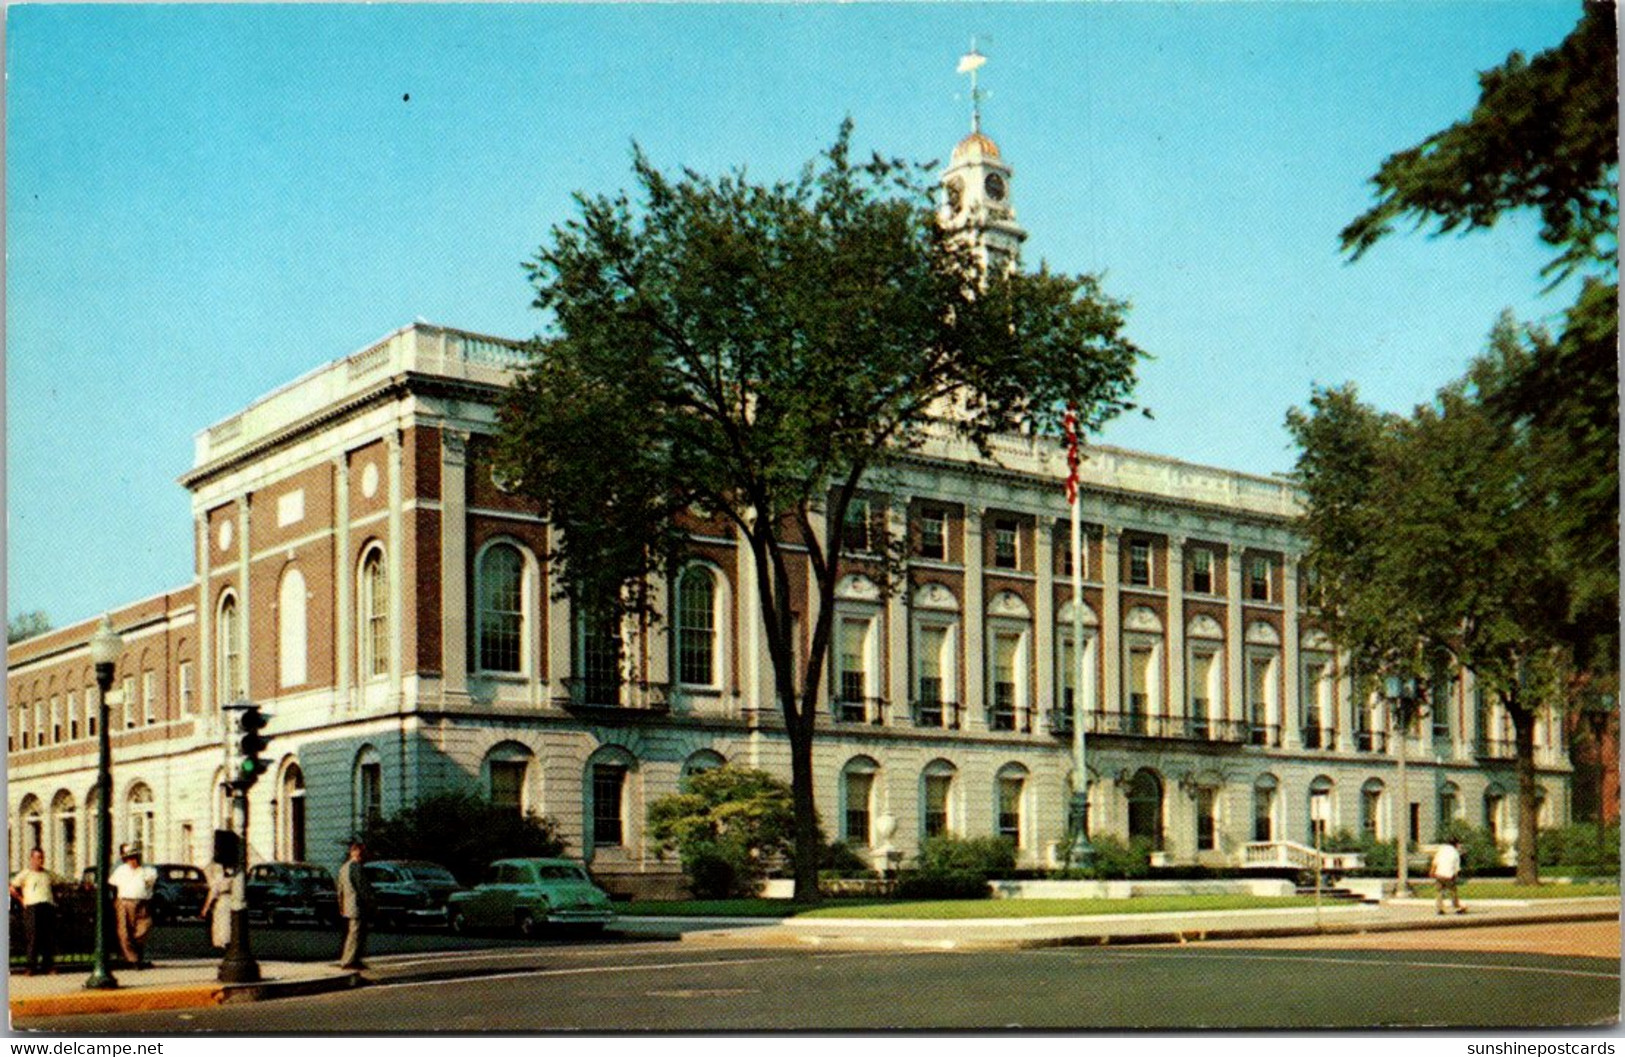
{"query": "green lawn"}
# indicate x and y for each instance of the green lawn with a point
(957, 908)
(1508, 890)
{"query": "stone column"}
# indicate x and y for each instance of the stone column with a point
(1234, 633)
(1044, 622)
(897, 631)
(1344, 704)
(1291, 706)
(454, 570)
(397, 548)
(1111, 619)
(974, 691)
(1175, 636)
(344, 573)
(1470, 717)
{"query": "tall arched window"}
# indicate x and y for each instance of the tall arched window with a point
(1264, 807)
(501, 609)
(1145, 806)
(64, 854)
(367, 789)
(1011, 790)
(936, 799)
(373, 613)
(228, 651)
(142, 817)
(1371, 808)
(696, 627)
(291, 817)
(291, 629)
(857, 800)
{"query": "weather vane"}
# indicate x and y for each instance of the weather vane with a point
(970, 62)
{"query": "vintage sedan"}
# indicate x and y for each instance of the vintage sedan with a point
(408, 891)
(285, 892)
(526, 894)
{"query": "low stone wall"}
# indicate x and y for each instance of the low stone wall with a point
(1130, 889)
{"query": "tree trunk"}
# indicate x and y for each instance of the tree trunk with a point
(1523, 732)
(809, 846)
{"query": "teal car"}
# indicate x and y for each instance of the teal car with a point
(526, 894)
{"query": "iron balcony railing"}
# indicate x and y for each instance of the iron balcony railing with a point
(1371, 741)
(860, 710)
(1495, 749)
(1319, 737)
(609, 694)
(1010, 717)
(935, 714)
(1137, 725)
(1265, 734)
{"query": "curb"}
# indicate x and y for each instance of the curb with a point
(146, 1000)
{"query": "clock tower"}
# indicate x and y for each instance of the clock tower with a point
(976, 187)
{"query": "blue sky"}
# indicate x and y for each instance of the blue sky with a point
(205, 202)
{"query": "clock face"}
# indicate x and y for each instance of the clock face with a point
(956, 194)
(994, 185)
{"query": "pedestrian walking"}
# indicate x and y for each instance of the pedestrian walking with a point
(32, 888)
(355, 905)
(133, 886)
(1446, 873)
(217, 907)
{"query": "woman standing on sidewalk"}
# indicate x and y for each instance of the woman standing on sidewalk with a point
(217, 907)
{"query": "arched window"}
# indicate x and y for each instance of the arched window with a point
(696, 627)
(500, 618)
(1264, 790)
(291, 629)
(31, 827)
(291, 813)
(936, 799)
(1322, 808)
(141, 817)
(367, 789)
(63, 856)
(1011, 791)
(1009, 690)
(507, 776)
(1449, 807)
(1371, 822)
(372, 611)
(1495, 813)
(1145, 807)
(857, 800)
(228, 651)
(607, 809)
(703, 760)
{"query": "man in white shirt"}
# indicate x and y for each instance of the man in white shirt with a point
(32, 888)
(1446, 871)
(133, 886)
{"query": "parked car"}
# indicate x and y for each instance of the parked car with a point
(408, 891)
(526, 894)
(286, 892)
(180, 892)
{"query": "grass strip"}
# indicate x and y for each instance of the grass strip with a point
(957, 909)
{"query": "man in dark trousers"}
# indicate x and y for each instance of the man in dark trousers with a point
(32, 888)
(355, 904)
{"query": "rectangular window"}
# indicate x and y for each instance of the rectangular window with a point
(1415, 822)
(183, 676)
(936, 804)
(1263, 814)
(601, 660)
(1207, 808)
(1201, 689)
(149, 696)
(858, 788)
(1005, 648)
(1313, 720)
(1201, 572)
(853, 657)
(608, 784)
(1139, 564)
(1139, 688)
(56, 721)
(1258, 704)
(928, 675)
(1006, 545)
(1370, 806)
(856, 535)
(508, 784)
(1258, 579)
(73, 716)
(1010, 809)
(131, 706)
(1067, 677)
(934, 535)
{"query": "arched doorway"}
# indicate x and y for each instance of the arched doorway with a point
(1145, 807)
(291, 800)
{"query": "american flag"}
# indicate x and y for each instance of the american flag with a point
(1073, 456)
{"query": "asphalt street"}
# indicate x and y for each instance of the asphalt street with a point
(1413, 980)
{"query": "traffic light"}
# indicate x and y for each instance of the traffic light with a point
(250, 721)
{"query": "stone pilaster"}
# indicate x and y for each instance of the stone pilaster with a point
(1234, 633)
(974, 691)
(1175, 636)
(454, 570)
(397, 550)
(1291, 703)
(1111, 619)
(898, 678)
(344, 573)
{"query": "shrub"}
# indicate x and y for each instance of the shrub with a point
(839, 860)
(1117, 860)
(728, 825)
(462, 832)
(981, 856)
(1578, 845)
(942, 884)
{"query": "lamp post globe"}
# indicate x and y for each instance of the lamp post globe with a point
(105, 646)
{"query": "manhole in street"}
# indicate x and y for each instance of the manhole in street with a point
(712, 992)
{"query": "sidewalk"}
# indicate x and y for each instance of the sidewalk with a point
(182, 983)
(175, 984)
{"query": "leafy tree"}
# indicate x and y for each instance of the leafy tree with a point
(27, 625)
(1544, 135)
(754, 353)
(463, 833)
(728, 824)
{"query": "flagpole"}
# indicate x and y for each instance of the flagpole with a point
(1082, 853)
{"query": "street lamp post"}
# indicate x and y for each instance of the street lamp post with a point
(1596, 716)
(1401, 694)
(105, 646)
